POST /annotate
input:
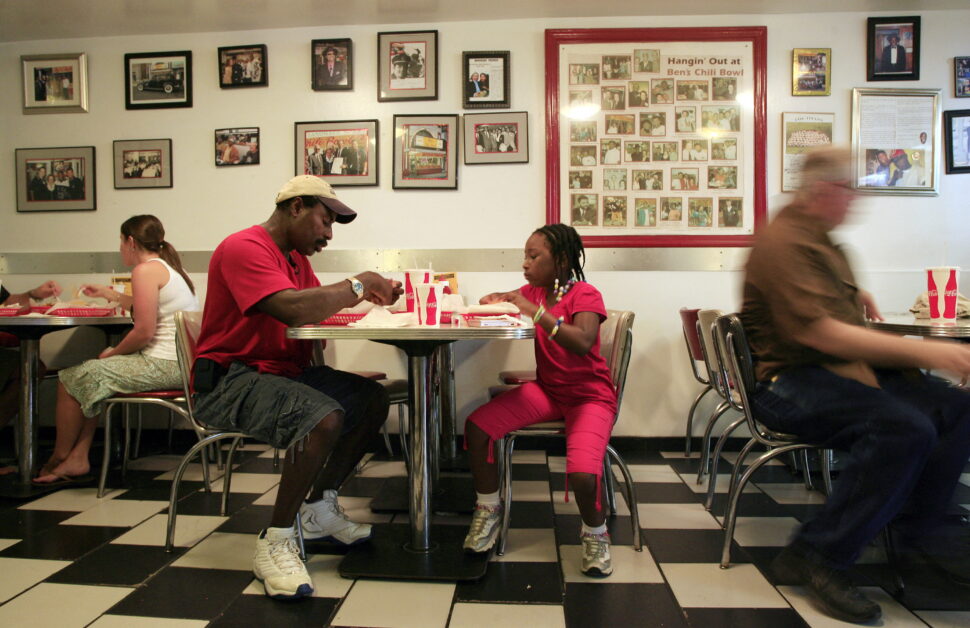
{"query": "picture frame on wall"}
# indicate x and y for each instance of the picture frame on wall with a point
(425, 152)
(55, 179)
(801, 133)
(961, 77)
(892, 48)
(496, 138)
(332, 64)
(485, 80)
(158, 80)
(237, 146)
(243, 66)
(956, 131)
(142, 164)
(342, 153)
(55, 83)
(894, 148)
(811, 73)
(407, 66)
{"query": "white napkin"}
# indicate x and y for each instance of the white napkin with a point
(494, 308)
(379, 316)
(503, 320)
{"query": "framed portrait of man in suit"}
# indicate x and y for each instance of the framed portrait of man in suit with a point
(485, 83)
(332, 64)
(892, 49)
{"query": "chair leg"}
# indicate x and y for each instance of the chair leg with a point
(505, 486)
(387, 441)
(298, 525)
(893, 559)
(825, 456)
(630, 495)
(227, 478)
(126, 411)
(402, 436)
(106, 457)
(706, 443)
(690, 419)
(738, 465)
(716, 459)
(137, 448)
(276, 458)
(171, 430)
(609, 488)
(806, 471)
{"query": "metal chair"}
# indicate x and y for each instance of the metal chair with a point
(616, 340)
(705, 320)
(695, 353)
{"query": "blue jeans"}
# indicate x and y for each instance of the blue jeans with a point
(906, 442)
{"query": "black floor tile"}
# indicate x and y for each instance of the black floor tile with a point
(758, 505)
(531, 514)
(185, 593)
(208, 504)
(621, 605)
(531, 472)
(117, 565)
(257, 465)
(362, 487)
(259, 610)
(521, 583)
(568, 528)
(690, 546)
(158, 490)
(746, 617)
(249, 520)
(18, 524)
(63, 542)
(664, 493)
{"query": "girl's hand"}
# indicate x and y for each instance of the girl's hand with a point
(104, 292)
(107, 353)
(495, 297)
(525, 306)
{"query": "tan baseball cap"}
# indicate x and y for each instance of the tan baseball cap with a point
(309, 185)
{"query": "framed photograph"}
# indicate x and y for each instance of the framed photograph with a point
(342, 152)
(956, 130)
(801, 132)
(332, 64)
(496, 138)
(55, 179)
(425, 152)
(55, 83)
(158, 80)
(237, 147)
(961, 77)
(894, 135)
(142, 164)
(407, 66)
(243, 66)
(649, 129)
(485, 77)
(892, 48)
(811, 72)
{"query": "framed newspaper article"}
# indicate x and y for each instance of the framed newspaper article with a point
(655, 137)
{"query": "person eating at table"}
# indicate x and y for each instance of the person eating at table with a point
(145, 358)
(248, 376)
(828, 380)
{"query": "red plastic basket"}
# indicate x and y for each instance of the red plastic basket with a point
(34, 309)
(80, 312)
(342, 319)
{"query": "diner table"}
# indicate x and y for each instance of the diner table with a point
(906, 324)
(410, 552)
(29, 330)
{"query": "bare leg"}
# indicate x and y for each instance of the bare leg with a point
(70, 423)
(584, 488)
(484, 473)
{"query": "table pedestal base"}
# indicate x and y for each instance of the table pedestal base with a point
(387, 556)
(451, 495)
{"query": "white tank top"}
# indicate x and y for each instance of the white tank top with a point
(175, 295)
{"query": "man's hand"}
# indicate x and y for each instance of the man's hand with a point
(379, 290)
(869, 309)
(45, 290)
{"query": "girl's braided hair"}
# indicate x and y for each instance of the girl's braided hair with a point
(566, 247)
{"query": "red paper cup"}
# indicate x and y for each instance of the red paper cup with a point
(412, 278)
(942, 286)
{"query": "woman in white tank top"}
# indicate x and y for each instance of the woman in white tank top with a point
(144, 360)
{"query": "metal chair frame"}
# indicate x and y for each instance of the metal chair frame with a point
(695, 354)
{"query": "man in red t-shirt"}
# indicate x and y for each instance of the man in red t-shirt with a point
(248, 376)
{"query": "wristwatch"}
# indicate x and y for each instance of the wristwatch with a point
(356, 286)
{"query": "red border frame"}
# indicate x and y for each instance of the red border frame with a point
(757, 35)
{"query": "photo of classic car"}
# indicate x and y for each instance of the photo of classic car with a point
(167, 82)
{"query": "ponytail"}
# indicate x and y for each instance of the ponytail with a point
(149, 233)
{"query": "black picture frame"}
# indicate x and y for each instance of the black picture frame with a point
(880, 32)
(494, 91)
(403, 75)
(80, 195)
(237, 146)
(961, 77)
(158, 80)
(140, 164)
(319, 145)
(243, 66)
(341, 75)
(956, 135)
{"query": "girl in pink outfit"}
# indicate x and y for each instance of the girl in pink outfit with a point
(572, 382)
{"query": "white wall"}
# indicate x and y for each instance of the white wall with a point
(494, 207)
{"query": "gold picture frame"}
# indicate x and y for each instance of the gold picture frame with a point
(811, 72)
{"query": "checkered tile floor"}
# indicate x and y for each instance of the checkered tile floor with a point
(70, 559)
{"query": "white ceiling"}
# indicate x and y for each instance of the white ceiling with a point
(23, 20)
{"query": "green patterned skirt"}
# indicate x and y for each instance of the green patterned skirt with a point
(94, 381)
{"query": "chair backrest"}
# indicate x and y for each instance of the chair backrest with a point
(705, 323)
(187, 326)
(616, 345)
(688, 320)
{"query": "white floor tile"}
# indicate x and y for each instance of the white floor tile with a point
(492, 615)
(557, 464)
(676, 516)
(379, 604)
(323, 571)
(268, 498)
(561, 507)
(383, 469)
(764, 531)
(530, 545)
(893, 615)
(530, 491)
(649, 473)
(117, 512)
(248, 482)
(791, 493)
(269, 453)
(189, 530)
(706, 585)
(5, 543)
(720, 487)
(629, 565)
(679, 455)
(155, 463)
(221, 550)
(70, 499)
(129, 621)
(19, 574)
(945, 619)
(193, 473)
(60, 605)
(528, 456)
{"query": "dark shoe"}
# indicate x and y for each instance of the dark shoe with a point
(832, 587)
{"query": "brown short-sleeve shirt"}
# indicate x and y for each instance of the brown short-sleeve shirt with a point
(795, 276)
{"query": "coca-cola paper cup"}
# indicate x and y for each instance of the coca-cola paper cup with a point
(428, 302)
(942, 286)
(412, 278)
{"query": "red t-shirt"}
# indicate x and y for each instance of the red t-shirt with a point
(246, 268)
(565, 376)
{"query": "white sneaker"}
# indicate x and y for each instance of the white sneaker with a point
(483, 532)
(277, 563)
(597, 562)
(325, 521)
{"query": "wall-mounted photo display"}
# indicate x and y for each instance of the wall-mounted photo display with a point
(343, 152)
(892, 48)
(961, 77)
(237, 147)
(811, 72)
(801, 132)
(55, 179)
(956, 130)
(243, 66)
(407, 66)
(894, 135)
(158, 80)
(56, 83)
(142, 164)
(496, 138)
(425, 152)
(332, 64)
(485, 79)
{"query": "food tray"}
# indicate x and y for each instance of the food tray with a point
(80, 312)
(342, 319)
(34, 309)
